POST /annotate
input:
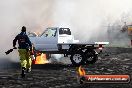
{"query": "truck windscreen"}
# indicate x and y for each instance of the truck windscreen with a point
(49, 32)
(64, 31)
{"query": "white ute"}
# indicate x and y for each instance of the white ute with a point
(55, 40)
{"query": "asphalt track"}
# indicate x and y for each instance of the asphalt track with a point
(58, 75)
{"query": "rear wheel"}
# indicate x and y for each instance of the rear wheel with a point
(91, 57)
(77, 58)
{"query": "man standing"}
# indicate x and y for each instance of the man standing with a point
(23, 49)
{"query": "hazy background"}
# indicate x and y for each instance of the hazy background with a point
(88, 19)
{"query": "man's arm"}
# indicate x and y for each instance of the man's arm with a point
(14, 41)
(29, 42)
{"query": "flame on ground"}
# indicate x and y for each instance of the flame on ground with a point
(81, 71)
(41, 59)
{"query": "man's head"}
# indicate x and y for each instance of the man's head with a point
(23, 29)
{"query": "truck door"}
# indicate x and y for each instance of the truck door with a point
(48, 40)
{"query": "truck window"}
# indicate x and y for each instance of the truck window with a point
(64, 31)
(49, 32)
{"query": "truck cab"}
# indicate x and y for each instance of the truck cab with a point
(51, 37)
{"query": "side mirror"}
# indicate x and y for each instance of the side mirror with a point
(46, 35)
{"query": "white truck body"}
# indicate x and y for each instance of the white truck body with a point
(55, 40)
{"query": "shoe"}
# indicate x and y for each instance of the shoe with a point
(23, 72)
(23, 75)
(28, 70)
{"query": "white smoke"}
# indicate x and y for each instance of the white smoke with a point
(89, 18)
(92, 17)
(56, 57)
(35, 15)
(86, 18)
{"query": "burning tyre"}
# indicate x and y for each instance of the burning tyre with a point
(41, 58)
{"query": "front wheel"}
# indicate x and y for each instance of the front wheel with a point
(77, 58)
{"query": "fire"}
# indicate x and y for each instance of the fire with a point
(41, 59)
(81, 71)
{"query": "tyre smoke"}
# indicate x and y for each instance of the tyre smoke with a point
(88, 19)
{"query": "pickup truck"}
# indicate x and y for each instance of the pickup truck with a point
(55, 40)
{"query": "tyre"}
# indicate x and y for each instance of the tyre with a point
(48, 56)
(77, 58)
(91, 57)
